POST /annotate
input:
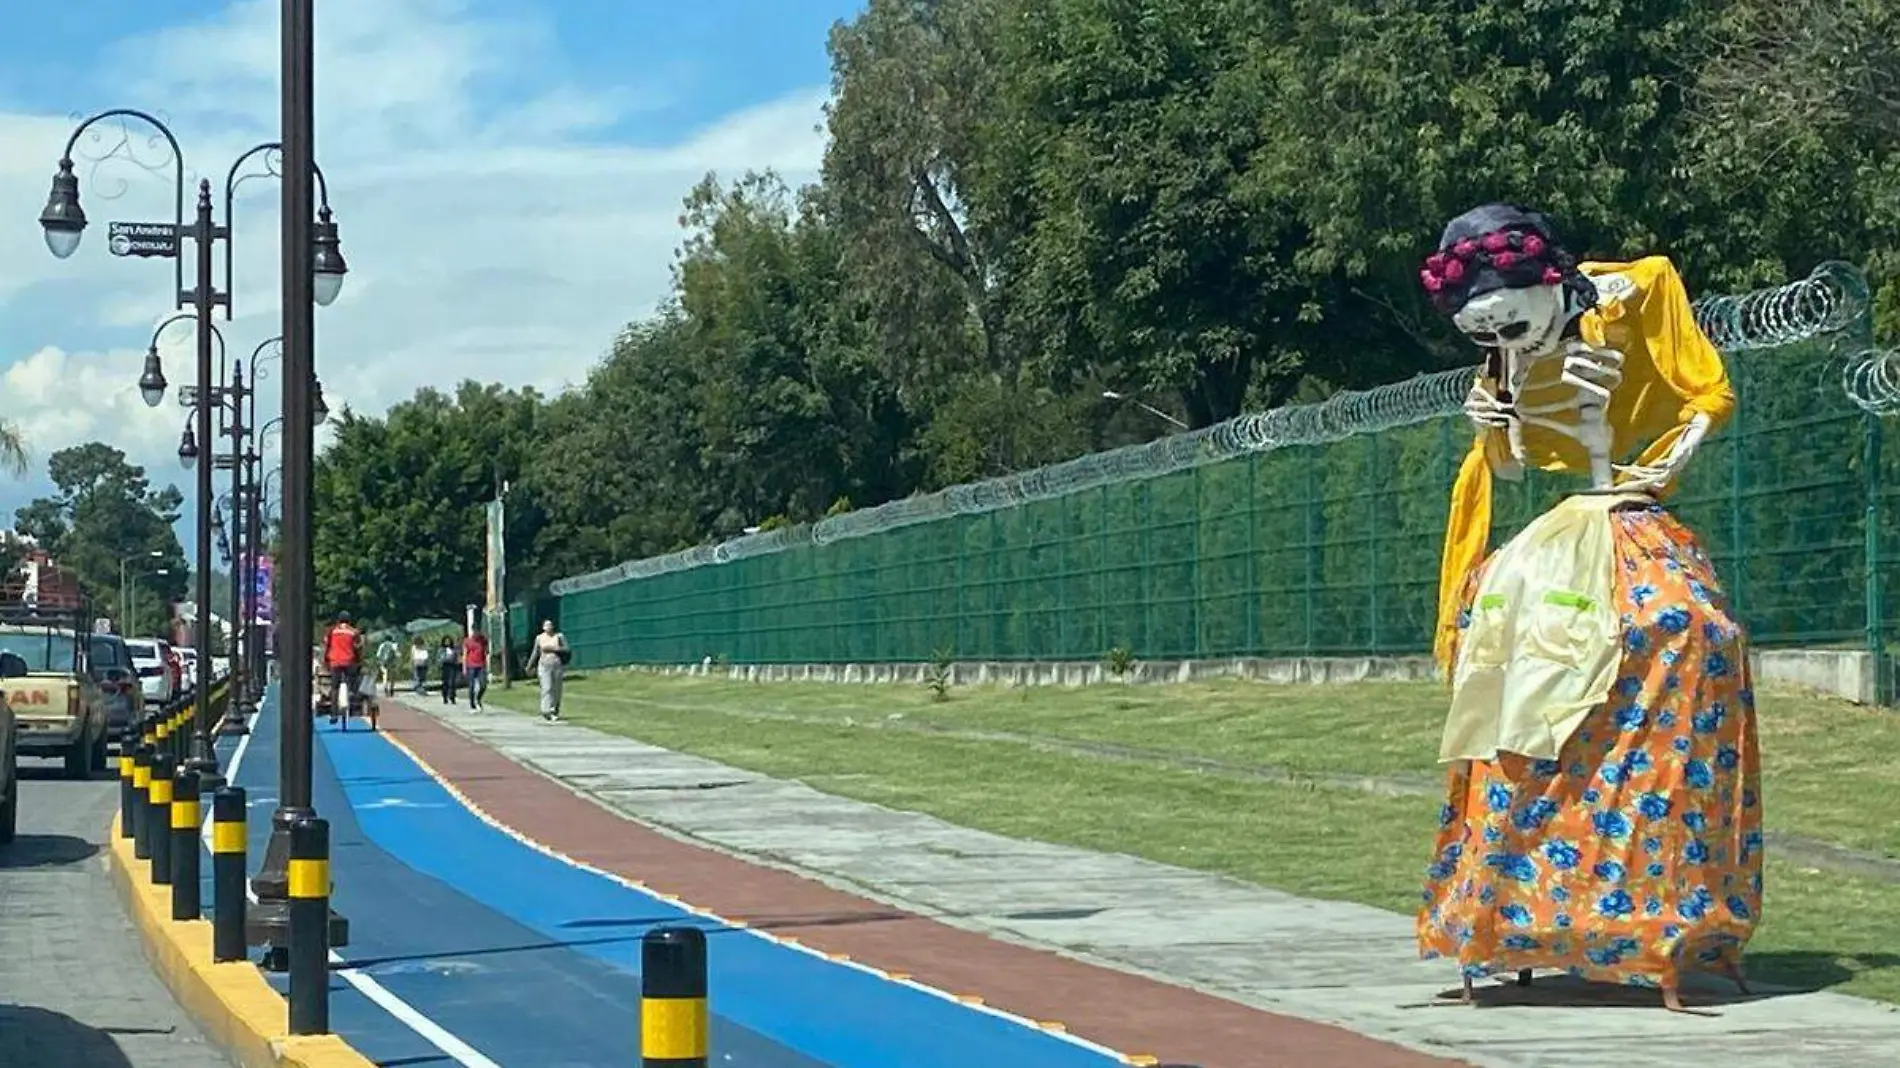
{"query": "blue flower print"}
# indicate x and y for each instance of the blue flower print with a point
(1636, 642)
(1653, 806)
(1716, 665)
(1641, 593)
(1464, 619)
(1562, 855)
(1562, 919)
(1666, 721)
(1497, 796)
(1670, 930)
(1612, 774)
(1696, 904)
(1629, 686)
(1631, 717)
(1670, 657)
(1534, 815)
(1516, 915)
(1634, 761)
(1446, 814)
(1610, 871)
(1696, 852)
(1675, 619)
(1698, 774)
(1559, 894)
(1695, 821)
(1751, 842)
(1727, 758)
(1616, 904)
(1672, 682)
(1652, 845)
(1514, 866)
(1655, 869)
(1611, 824)
(1748, 799)
(1545, 769)
(1592, 796)
(1701, 594)
(1715, 633)
(1519, 941)
(1738, 907)
(1709, 720)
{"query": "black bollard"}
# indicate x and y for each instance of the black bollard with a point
(309, 890)
(673, 1018)
(141, 804)
(158, 819)
(126, 792)
(228, 848)
(187, 819)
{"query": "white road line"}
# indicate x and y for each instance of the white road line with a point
(431, 1032)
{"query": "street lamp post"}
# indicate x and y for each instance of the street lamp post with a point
(63, 222)
(125, 613)
(1109, 394)
(132, 598)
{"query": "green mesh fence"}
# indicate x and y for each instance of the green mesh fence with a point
(1321, 550)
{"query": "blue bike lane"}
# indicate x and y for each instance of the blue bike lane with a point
(469, 947)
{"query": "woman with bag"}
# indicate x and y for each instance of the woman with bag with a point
(549, 661)
(451, 660)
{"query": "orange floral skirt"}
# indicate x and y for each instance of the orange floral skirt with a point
(1637, 855)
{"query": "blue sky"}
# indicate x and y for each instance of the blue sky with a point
(506, 175)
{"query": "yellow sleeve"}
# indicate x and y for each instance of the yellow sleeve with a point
(1685, 358)
(1467, 533)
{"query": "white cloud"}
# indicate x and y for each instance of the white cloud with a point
(492, 231)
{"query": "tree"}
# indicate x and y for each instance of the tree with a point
(105, 512)
(398, 525)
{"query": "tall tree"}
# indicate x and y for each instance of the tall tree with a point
(104, 513)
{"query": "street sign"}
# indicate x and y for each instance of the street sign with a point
(187, 396)
(223, 461)
(142, 239)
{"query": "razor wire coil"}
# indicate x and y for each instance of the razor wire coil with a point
(1832, 298)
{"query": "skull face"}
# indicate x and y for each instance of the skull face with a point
(1525, 324)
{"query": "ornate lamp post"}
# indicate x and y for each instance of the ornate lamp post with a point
(63, 222)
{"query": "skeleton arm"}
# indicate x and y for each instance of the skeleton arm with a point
(1488, 413)
(1651, 478)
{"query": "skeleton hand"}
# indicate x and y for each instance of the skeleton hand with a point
(1593, 371)
(1651, 478)
(1484, 409)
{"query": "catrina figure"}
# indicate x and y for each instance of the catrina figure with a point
(1603, 810)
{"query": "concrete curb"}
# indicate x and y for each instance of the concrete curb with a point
(239, 1011)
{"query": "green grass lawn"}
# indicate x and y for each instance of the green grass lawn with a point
(1828, 767)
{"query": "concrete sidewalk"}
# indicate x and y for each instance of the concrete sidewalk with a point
(1332, 962)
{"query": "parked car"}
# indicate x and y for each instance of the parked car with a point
(10, 665)
(61, 702)
(152, 657)
(110, 664)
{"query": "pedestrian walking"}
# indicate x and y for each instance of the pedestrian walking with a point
(451, 660)
(475, 666)
(549, 661)
(419, 662)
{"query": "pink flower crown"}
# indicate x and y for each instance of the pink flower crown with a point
(1448, 271)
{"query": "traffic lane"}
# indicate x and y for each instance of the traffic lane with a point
(840, 1015)
(75, 987)
(519, 998)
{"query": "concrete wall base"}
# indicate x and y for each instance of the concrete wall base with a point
(1845, 673)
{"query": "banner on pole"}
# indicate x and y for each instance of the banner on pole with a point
(497, 558)
(264, 571)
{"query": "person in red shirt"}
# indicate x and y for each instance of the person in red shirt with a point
(475, 666)
(343, 664)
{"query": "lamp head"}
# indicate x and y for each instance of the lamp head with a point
(63, 221)
(327, 266)
(152, 382)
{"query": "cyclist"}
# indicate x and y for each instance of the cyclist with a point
(343, 657)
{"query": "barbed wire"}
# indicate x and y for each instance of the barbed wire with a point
(1832, 298)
